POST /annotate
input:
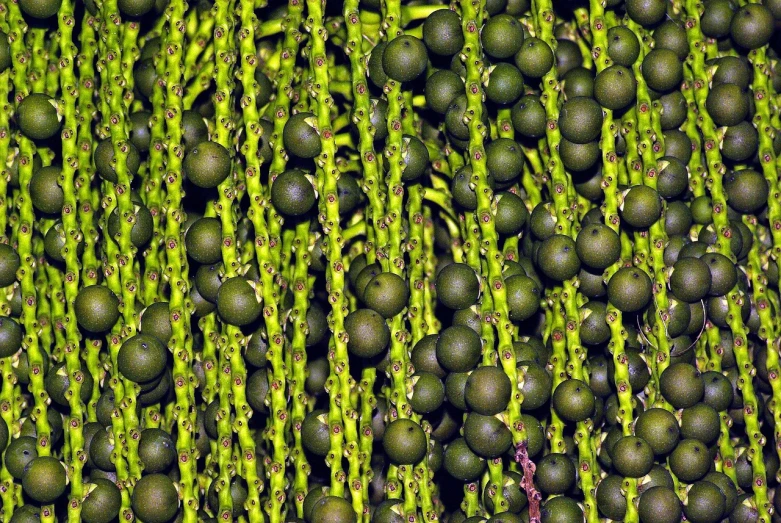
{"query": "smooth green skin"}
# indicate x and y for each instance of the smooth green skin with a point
(44, 479)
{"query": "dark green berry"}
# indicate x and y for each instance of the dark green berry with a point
(44, 479)
(301, 137)
(368, 333)
(292, 193)
(442, 32)
(238, 302)
(155, 499)
(207, 164)
(404, 58)
(97, 308)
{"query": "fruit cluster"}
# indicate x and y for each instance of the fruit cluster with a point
(385, 261)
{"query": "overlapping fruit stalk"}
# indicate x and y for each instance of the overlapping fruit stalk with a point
(735, 297)
(20, 54)
(8, 390)
(563, 300)
(342, 417)
(376, 231)
(73, 236)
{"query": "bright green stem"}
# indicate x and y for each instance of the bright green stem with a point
(340, 381)
(735, 298)
(73, 236)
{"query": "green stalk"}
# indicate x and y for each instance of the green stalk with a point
(20, 55)
(735, 297)
(327, 175)
(177, 269)
(300, 399)
(653, 149)
(73, 236)
(6, 370)
(223, 131)
(246, 74)
(566, 319)
(763, 94)
(355, 49)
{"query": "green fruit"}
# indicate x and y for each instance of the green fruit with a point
(622, 45)
(502, 36)
(488, 390)
(568, 56)
(38, 114)
(646, 12)
(404, 58)
(615, 87)
(458, 348)
(704, 503)
(10, 337)
(207, 164)
(143, 226)
(681, 385)
(511, 214)
(387, 294)
(442, 88)
(301, 137)
(611, 501)
(573, 400)
(135, 8)
(461, 462)
(578, 81)
(58, 381)
(505, 84)
(580, 120)
(528, 117)
(404, 442)
(727, 104)
(752, 26)
(102, 503)
(44, 479)
(523, 297)
(428, 392)
(142, 358)
(659, 505)
(315, 433)
(662, 69)
(9, 264)
(555, 474)
(716, 20)
(97, 308)
(368, 333)
(487, 436)
(598, 246)
(20, 452)
(238, 494)
(442, 32)
(292, 193)
(203, 241)
(690, 279)
(561, 509)
(458, 286)
(156, 321)
(534, 58)
(5, 52)
(45, 191)
(238, 302)
(155, 499)
(557, 258)
(333, 509)
(632, 457)
(642, 206)
(536, 387)
(747, 190)
(156, 450)
(690, 460)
